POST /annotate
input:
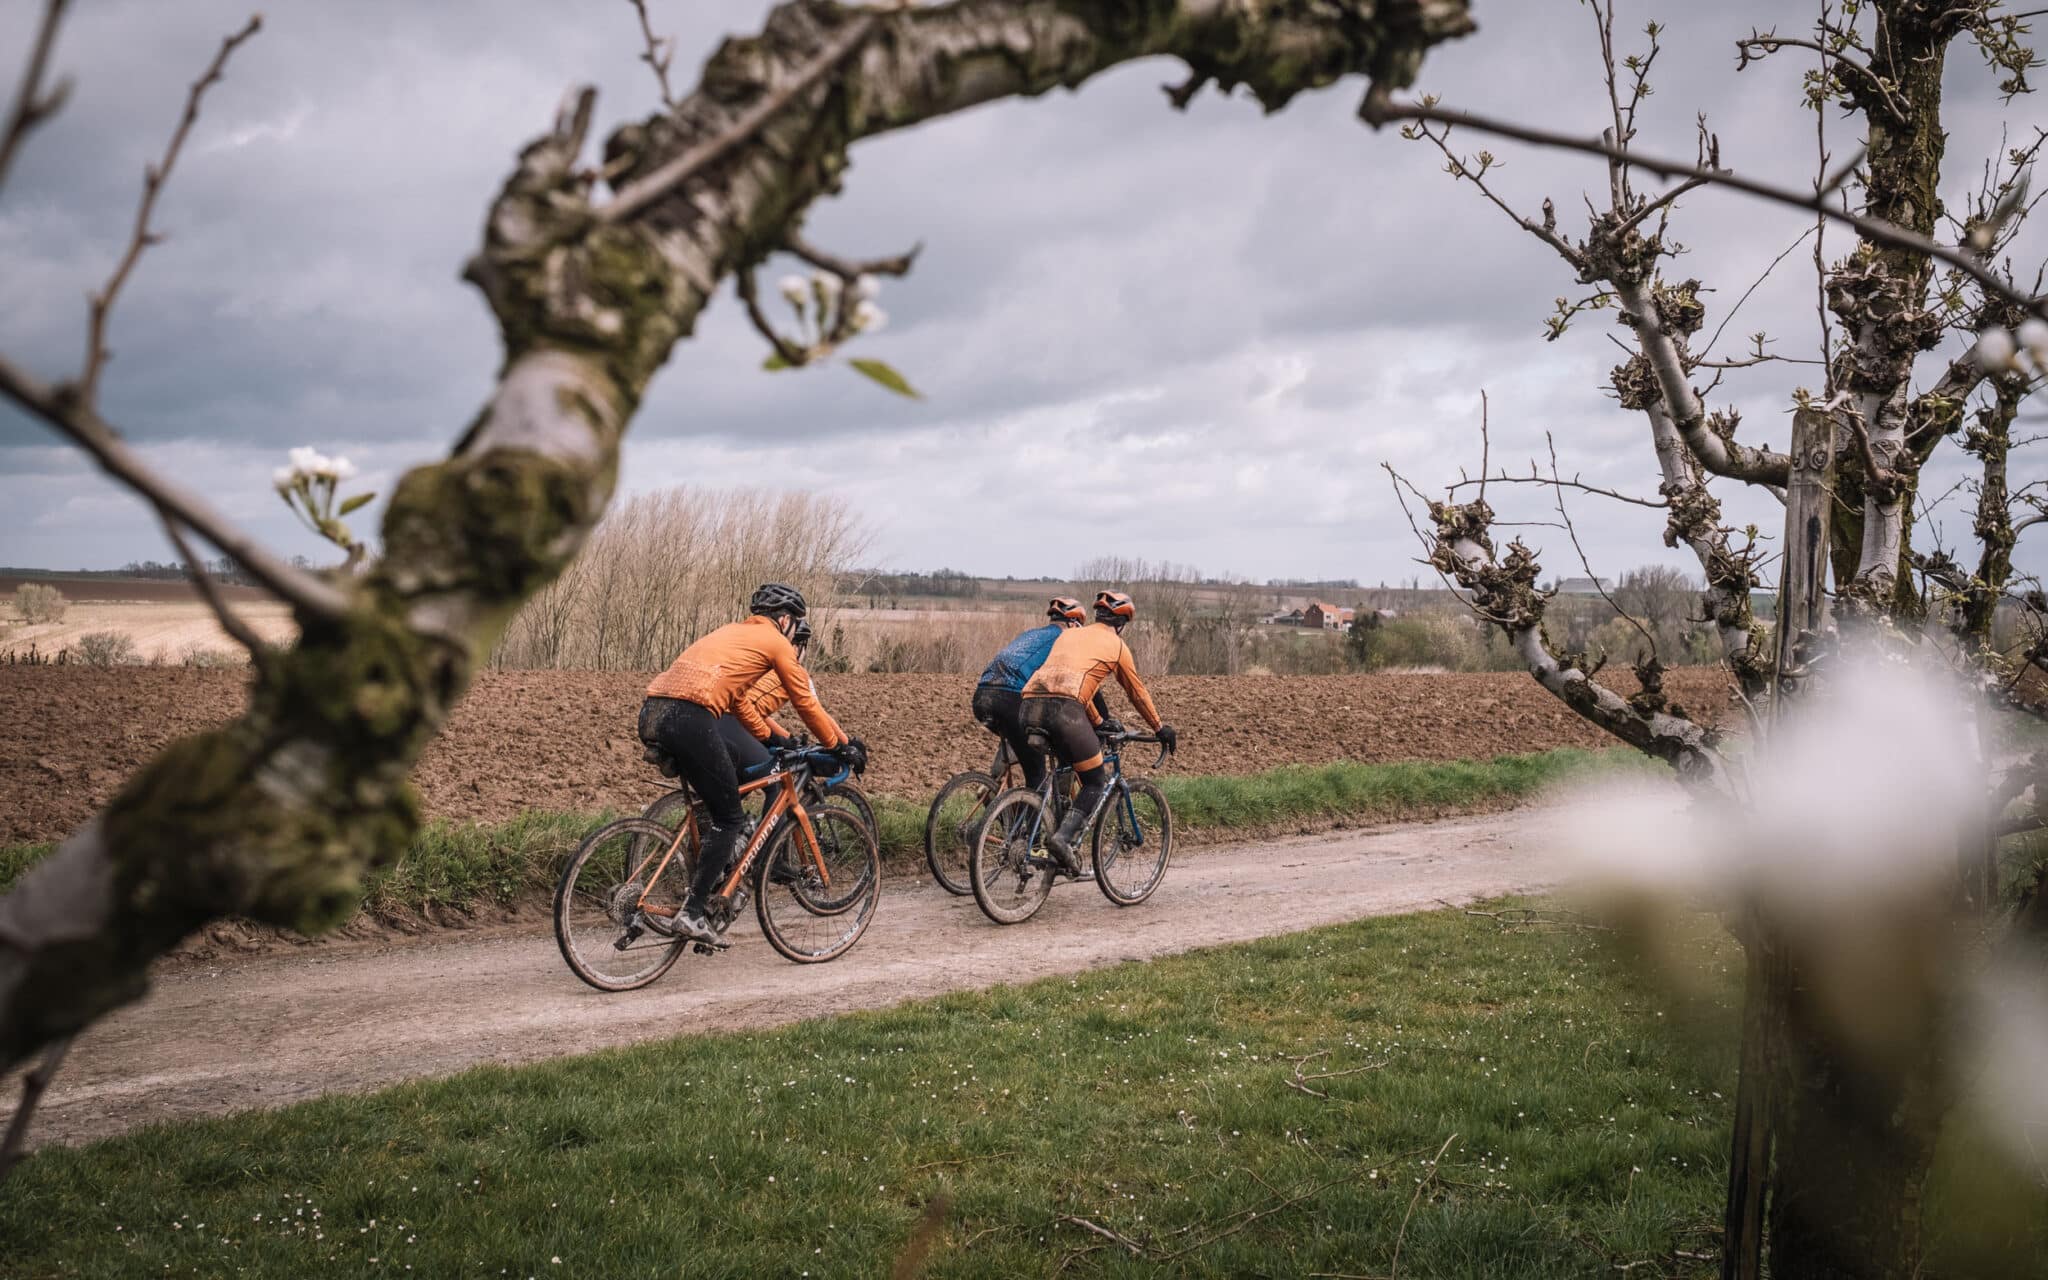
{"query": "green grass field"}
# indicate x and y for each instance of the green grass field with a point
(458, 867)
(1481, 1103)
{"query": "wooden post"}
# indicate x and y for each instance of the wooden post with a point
(1802, 617)
(1802, 586)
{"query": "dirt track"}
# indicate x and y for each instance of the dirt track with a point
(563, 740)
(278, 1030)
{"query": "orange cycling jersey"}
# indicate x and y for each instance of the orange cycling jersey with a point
(762, 701)
(1081, 659)
(718, 670)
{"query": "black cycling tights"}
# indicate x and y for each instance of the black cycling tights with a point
(690, 735)
(1066, 726)
(999, 710)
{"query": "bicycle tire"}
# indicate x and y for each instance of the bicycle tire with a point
(1007, 890)
(668, 808)
(800, 932)
(849, 795)
(948, 839)
(1124, 880)
(589, 914)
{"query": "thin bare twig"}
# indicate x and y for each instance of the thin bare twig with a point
(84, 426)
(849, 269)
(1485, 442)
(1515, 918)
(939, 1164)
(1246, 1217)
(153, 179)
(1754, 286)
(1504, 478)
(31, 105)
(32, 1087)
(69, 407)
(1137, 1250)
(1546, 230)
(1379, 109)
(660, 52)
(638, 195)
(209, 591)
(1394, 1267)
(1665, 201)
(750, 298)
(1557, 492)
(1300, 1081)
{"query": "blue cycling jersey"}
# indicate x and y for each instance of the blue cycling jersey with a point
(1020, 659)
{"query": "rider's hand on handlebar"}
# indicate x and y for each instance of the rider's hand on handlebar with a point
(855, 753)
(1110, 727)
(781, 742)
(1167, 738)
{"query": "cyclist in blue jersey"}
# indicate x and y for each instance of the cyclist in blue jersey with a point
(998, 699)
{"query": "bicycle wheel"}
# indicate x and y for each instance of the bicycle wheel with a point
(597, 899)
(1133, 840)
(669, 808)
(949, 828)
(809, 915)
(849, 796)
(1007, 886)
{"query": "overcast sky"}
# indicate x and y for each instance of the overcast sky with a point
(1188, 337)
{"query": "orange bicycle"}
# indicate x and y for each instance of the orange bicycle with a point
(813, 873)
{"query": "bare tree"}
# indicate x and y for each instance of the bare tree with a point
(663, 568)
(278, 815)
(1854, 1134)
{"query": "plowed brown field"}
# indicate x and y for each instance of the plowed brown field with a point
(564, 740)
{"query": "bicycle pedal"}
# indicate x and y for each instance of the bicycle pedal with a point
(709, 948)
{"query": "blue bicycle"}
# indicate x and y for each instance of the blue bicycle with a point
(1130, 839)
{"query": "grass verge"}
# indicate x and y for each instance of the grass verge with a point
(460, 867)
(1478, 1103)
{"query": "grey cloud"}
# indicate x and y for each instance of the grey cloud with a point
(1113, 297)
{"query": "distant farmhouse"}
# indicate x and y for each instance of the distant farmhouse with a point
(1325, 617)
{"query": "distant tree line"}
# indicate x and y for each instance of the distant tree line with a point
(879, 587)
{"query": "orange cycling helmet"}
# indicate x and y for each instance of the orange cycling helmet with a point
(1061, 609)
(1114, 607)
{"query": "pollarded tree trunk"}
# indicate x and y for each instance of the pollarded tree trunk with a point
(1855, 1140)
(1880, 293)
(278, 816)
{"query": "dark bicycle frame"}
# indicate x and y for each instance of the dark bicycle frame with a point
(1050, 801)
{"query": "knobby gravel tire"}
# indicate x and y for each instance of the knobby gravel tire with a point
(1006, 888)
(595, 895)
(1130, 864)
(808, 919)
(951, 826)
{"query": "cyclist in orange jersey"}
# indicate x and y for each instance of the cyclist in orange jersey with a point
(680, 717)
(999, 696)
(1056, 702)
(749, 729)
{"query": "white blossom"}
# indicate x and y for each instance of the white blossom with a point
(869, 318)
(1995, 350)
(865, 287)
(793, 289)
(826, 284)
(2033, 335)
(285, 478)
(305, 460)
